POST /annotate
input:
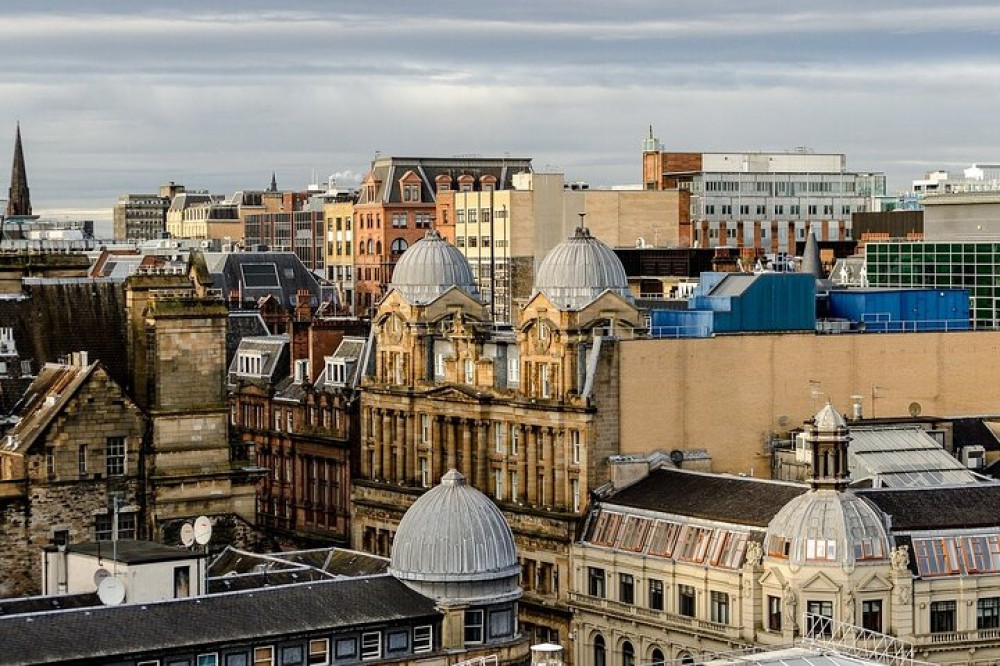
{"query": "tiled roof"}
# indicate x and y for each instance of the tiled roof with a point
(243, 324)
(110, 632)
(731, 499)
(390, 170)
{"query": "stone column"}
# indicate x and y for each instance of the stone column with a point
(401, 447)
(377, 444)
(467, 426)
(560, 480)
(436, 462)
(451, 448)
(387, 442)
(531, 482)
(552, 492)
(482, 465)
(522, 463)
(366, 471)
(415, 446)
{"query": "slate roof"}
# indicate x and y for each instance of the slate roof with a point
(273, 350)
(227, 275)
(731, 499)
(350, 348)
(236, 569)
(242, 324)
(49, 603)
(108, 632)
(949, 507)
(389, 170)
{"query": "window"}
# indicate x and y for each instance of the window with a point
(115, 456)
(761, 209)
(574, 438)
(719, 607)
(425, 473)
(744, 209)
(513, 370)
(81, 459)
(871, 615)
(628, 654)
(545, 382)
(249, 364)
(595, 582)
(498, 484)
(498, 430)
(319, 651)
(470, 371)
(515, 431)
(779, 210)
(942, 616)
(208, 659)
(656, 594)
(425, 429)
(600, 654)
(988, 613)
(820, 618)
(694, 544)
(371, 645)
(474, 626)
(513, 487)
(182, 582)
(813, 208)
(263, 656)
(423, 639)
(575, 490)
(685, 600)
(821, 549)
(398, 246)
(626, 588)
(438, 366)
(774, 613)
(50, 461)
(346, 648)
(657, 657)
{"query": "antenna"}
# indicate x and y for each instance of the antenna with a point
(202, 530)
(111, 591)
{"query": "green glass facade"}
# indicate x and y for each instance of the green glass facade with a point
(974, 266)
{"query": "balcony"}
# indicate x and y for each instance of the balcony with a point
(693, 625)
(956, 639)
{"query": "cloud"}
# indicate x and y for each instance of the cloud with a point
(120, 96)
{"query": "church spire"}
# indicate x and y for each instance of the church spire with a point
(274, 183)
(18, 199)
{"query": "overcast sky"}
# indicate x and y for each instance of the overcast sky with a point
(120, 97)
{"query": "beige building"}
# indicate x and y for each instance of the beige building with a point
(526, 414)
(505, 234)
(680, 564)
(729, 394)
(214, 220)
(339, 217)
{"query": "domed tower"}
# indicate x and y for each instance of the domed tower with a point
(454, 546)
(577, 271)
(432, 290)
(825, 544)
(431, 267)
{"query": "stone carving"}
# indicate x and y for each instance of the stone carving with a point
(900, 558)
(754, 554)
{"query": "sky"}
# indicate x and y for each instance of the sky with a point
(122, 96)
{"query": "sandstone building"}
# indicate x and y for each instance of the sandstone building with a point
(678, 564)
(526, 414)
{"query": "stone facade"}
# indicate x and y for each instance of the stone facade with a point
(62, 471)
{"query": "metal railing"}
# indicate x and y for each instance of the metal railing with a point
(848, 639)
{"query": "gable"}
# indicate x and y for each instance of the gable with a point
(456, 393)
(821, 583)
(772, 578)
(874, 583)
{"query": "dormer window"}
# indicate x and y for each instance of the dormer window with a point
(301, 370)
(488, 182)
(465, 183)
(411, 192)
(443, 183)
(336, 371)
(249, 364)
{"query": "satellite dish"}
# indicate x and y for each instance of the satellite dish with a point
(915, 409)
(100, 575)
(782, 420)
(202, 530)
(187, 534)
(677, 457)
(111, 591)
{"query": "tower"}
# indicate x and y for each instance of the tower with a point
(18, 199)
(828, 437)
(274, 183)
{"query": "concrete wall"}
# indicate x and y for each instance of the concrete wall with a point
(726, 394)
(966, 217)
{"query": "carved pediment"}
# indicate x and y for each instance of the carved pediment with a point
(457, 393)
(772, 578)
(874, 583)
(821, 583)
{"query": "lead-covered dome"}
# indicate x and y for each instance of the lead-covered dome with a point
(453, 544)
(578, 270)
(828, 528)
(429, 268)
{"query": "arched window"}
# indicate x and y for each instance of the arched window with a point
(398, 246)
(599, 652)
(371, 246)
(657, 657)
(686, 658)
(378, 247)
(361, 247)
(628, 654)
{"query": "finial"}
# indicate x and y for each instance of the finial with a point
(650, 131)
(453, 478)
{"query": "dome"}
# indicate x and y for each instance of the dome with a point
(578, 270)
(429, 268)
(829, 419)
(828, 528)
(454, 544)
